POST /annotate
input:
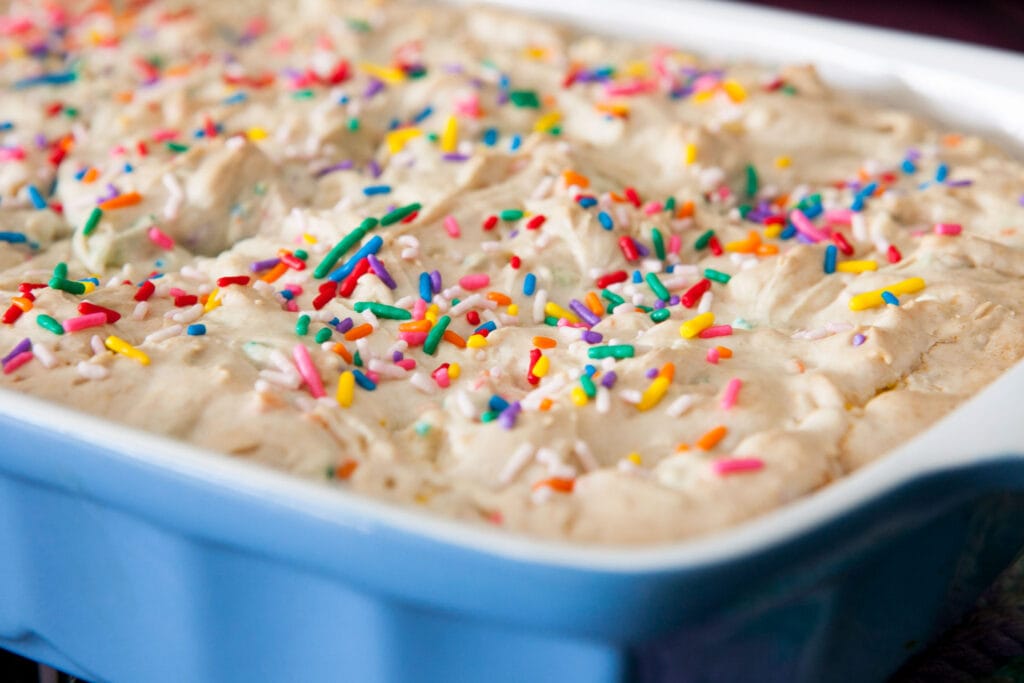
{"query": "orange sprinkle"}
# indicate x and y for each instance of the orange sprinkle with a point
(125, 96)
(177, 70)
(544, 342)
(724, 351)
(594, 303)
(556, 483)
(711, 438)
(499, 298)
(274, 273)
(415, 326)
(90, 176)
(766, 250)
(574, 178)
(345, 469)
(668, 371)
(545, 405)
(682, 448)
(340, 349)
(359, 331)
(23, 303)
(952, 139)
(121, 201)
(617, 198)
(686, 210)
(454, 338)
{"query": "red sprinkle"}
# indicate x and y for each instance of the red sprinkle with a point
(536, 222)
(11, 314)
(327, 291)
(233, 280)
(716, 246)
(632, 196)
(894, 254)
(183, 300)
(628, 248)
(841, 242)
(612, 278)
(490, 222)
(26, 287)
(348, 285)
(292, 261)
(693, 294)
(85, 308)
(515, 262)
(411, 217)
(145, 291)
(473, 318)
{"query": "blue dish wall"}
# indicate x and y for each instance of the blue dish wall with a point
(116, 570)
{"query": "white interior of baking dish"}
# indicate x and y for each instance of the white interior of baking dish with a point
(974, 88)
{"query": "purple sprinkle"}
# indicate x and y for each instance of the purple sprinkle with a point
(959, 183)
(580, 309)
(381, 272)
(674, 300)
(21, 347)
(502, 97)
(41, 141)
(913, 154)
(803, 239)
(641, 249)
(435, 281)
(340, 166)
(454, 156)
(608, 380)
(507, 418)
(591, 337)
(266, 264)
(345, 325)
(659, 304)
(1021, 200)
(374, 87)
(452, 68)
(651, 373)
(512, 235)
(859, 339)
(374, 168)
(291, 73)
(397, 356)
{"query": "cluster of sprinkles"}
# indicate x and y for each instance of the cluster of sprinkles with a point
(657, 275)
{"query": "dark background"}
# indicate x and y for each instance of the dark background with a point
(989, 644)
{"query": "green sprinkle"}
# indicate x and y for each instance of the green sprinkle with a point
(323, 335)
(301, 254)
(69, 286)
(176, 147)
(303, 94)
(612, 296)
(422, 428)
(645, 309)
(744, 209)
(669, 205)
(489, 416)
(383, 310)
(433, 137)
(788, 89)
(353, 124)
(435, 334)
(619, 351)
(92, 221)
(551, 320)
(657, 287)
(399, 214)
(341, 248)
(70, 112)
(510, 215)
(702, 241)
(359, 25)
(60, 270)
(659, 243)
(588, 386)
(743, 324)
(302, 325)
(717, 275)
(555, 131)
(48, 323)
(524, 98)
(660, 315)
(751, 181)
(357, 360)
(329, 471)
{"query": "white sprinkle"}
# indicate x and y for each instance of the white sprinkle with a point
(630, 396)
(465, 404)
(471, 301)
(281, 379)
(140, 311)
(386, 369)
(371, 318)
(585, 455)
(92, 370)
(44, 354)
(406, 302)
(516, 462)
(97, 345)
(680, 405)
(165, 333)
(540, 300)
(706, 300)
(194, 274)
(603, 402)
(422, 382)
(541, 495)
(187, 315)
(859, 227)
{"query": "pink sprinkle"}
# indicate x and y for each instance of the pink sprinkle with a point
(85, 321)
(713, 356)
(164, 134)
(475, 281)
(12, 153)
(625, 89)
(292, 306)
(16, 362)
(413, 338)
(651, 208)
(308, 371)
(732, 390)
(469, 106)
(407, 364)
(441, 377)
(948, 228)
(804, 226)
(452, 226)
(729, 466)
(675, 243)
(160, 238)
(419, 309)
(839, 217)
(716, 331)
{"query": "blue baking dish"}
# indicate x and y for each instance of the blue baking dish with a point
(129, 557)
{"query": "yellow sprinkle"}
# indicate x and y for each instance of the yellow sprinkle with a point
(637, 69)
(256, 133)
(388, 74)
(346, 389)
(579, 397)
(703, 96)
(697, 324)
(212, 301)
(118, 345)
(454, 370)
(690, 154)
(536, 52)
(772, 231)
(476, 341)
(554, 310)
(432, 313)
(653, 394)
(450, 136)
(89, 286)
(635, 458)
(309, 239)
(540, 368)
(874, 298)
(547, 121)
(397, 139)
(736, 92)
(783, 162)
(513, 309)
(613, 108)
(856, 266)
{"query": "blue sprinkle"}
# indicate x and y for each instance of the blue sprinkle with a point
(363, 381)
(128, 168)
(830, 259)
(529, 284)
(196, 329)
(46, 79)
(941, 173)
(6, 125)
(867, 190)
(589, 369)
(859, 339)
(857, 204)
(504, 82)
(237, 98)
(813, 211)
(515, 142)
(788, 232)
(637, 277)
(371, 247)
(394, 124)
(587, 202)
(890, 298)
(343, 99)
(491, 137)
(13, 237)
(376, 189)
(490, 326)
(36, 198)
(426, 291)
(497, 403)
(908, 167)
(81, 174)
(287, 294)
(427, 111)
(605, 220)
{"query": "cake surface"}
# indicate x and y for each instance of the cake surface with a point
(473, 263)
